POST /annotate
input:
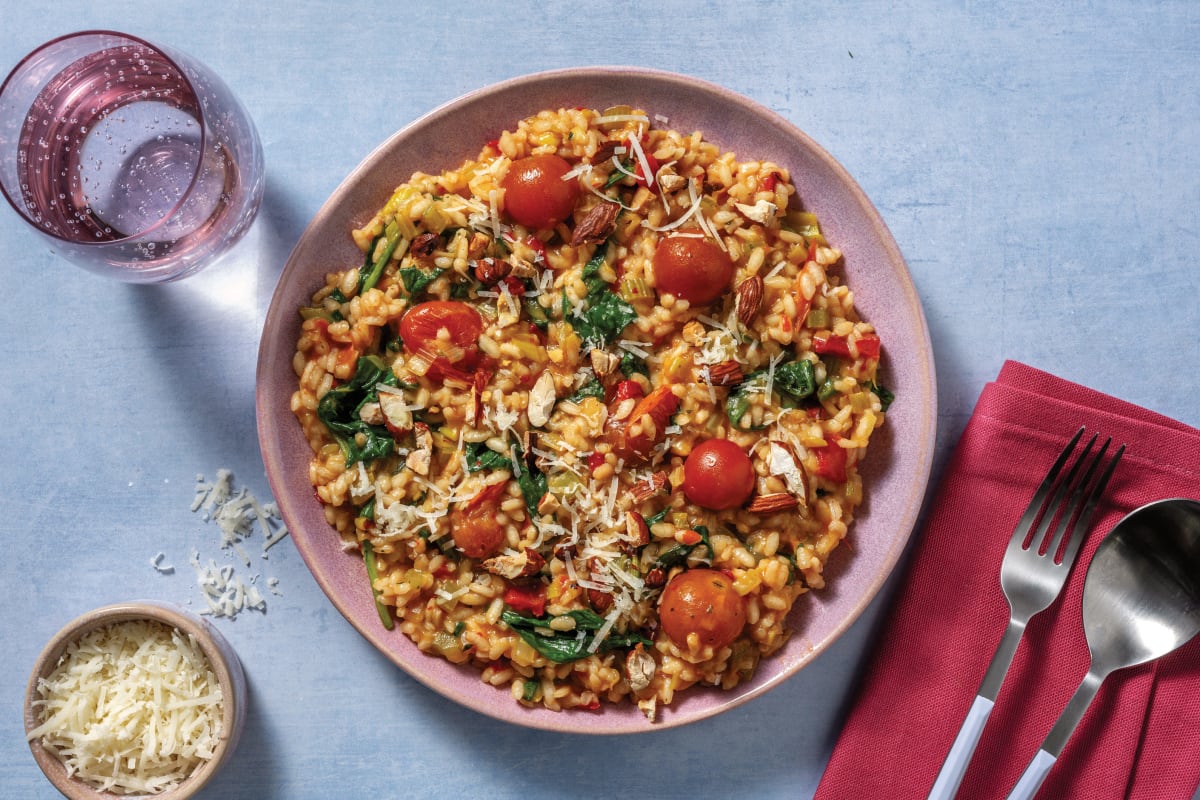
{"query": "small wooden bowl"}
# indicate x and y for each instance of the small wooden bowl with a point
(221, 656)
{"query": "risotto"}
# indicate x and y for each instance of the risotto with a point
(592, 409)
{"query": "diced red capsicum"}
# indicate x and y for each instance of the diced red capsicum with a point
(830, 344)
(651, 161)
(529, 599)
(625, 390)
(831, 462)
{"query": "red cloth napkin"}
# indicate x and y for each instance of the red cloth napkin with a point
(1141, 737)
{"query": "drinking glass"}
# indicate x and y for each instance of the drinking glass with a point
(134, 159)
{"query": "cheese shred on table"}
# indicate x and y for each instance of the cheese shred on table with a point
(131, 708)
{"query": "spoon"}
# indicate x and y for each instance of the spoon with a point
(1141, 600)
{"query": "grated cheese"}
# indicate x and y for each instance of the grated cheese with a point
(131, 708)
(225, 593)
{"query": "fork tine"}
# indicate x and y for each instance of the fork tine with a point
(1089, 506)
(1074, 504)
(1022, 534)
(1056, 509)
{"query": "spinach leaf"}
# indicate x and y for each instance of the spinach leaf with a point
(339, 410)
(631, 364)
(368, 509)
(533, 482)
(537, 315)
(534, 485)
(416, 280)
(481, 458)
(657, 518)
(567, 646)
(796, 378)
(883, 393)
(592, 388)
(678, 555)
(606, 314)
(738, 401)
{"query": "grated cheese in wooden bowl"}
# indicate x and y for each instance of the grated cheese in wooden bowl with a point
(132, 706)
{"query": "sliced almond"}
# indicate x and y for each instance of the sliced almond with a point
(637, 532)
(490, 271)
(421, 456)
(604, 363)
(640, 668)
(770, 503)
(395, 412)
(542, 398)
(371, 414)
(644, 490)
(515, 565)
(693, 332)
(783, 463)
(762, 212)
(596, 225)
(727, 373)
(749, 299)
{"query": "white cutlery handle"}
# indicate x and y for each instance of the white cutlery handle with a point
(955, 765)
(1032, 777)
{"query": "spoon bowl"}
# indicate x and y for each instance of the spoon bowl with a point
(1141, 600)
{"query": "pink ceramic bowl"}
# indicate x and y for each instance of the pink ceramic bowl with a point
(901, 451)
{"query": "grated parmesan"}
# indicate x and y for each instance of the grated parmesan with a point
(237, 513)
(130, 708)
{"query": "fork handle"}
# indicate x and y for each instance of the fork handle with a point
(955, 765)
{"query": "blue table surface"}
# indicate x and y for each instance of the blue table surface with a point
(1037, 164)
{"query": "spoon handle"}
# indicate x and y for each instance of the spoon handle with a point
(1031, 779)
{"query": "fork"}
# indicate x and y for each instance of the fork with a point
(1032, 574)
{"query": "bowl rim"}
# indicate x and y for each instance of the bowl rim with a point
(220, 654)
(920, 466)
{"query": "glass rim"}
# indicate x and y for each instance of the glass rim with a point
(19, 207)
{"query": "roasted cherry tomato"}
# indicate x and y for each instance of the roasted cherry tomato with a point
(692, 267)
(535, 194)
(718, 475)
(703, 602)
(635, 437)
(444, 331)
(473, 525)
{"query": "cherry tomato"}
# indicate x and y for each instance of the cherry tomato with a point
(456, 350)
(535, 194)
(635, 437)
(718, 475)
(703, 602)
(476, 535)
(473, 525)
(692, 267)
